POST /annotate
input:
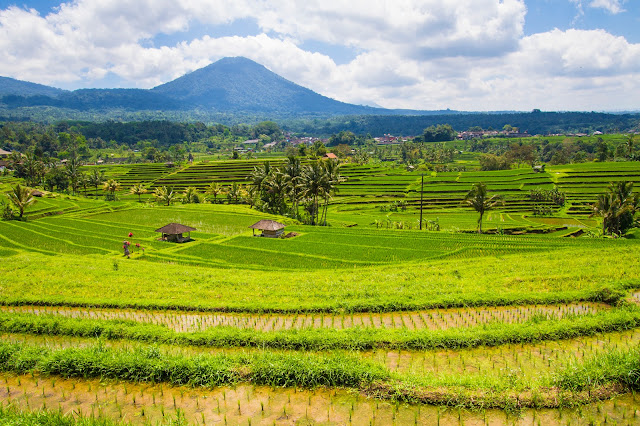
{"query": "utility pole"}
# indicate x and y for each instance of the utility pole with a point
(421, 191)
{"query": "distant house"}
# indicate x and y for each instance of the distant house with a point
(330, 155)
(4, 153)
(539, 169)
(173, 233)
(269, 228)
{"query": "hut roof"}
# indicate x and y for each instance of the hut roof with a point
(267, 225)
(174, 229)
(3, 152)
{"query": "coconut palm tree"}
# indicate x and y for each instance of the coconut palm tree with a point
(96, 178)
(259, 174)
(330, 184)
(21, 197)
(235, 192)
(293, 175)
(479, 199)
(214, 189)
(138, 190)
(629, 142)
(190, 196)
(111, 186)
(72, 170)
(312, 183)
(164, 195)
(274, 192)
(617, 207)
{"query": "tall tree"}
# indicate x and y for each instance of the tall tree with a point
(111, 186)
(191, 196)
(164, 195)
(312, 183)
(479, 199)
(96, 178)
(138, 190)
(214, 189)
(21, 197)
(293, 175)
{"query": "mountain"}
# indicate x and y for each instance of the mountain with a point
(240, 84)
(230, 85)
(11, 86)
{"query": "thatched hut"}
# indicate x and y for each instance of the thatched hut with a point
(269, 228)
(173, 232)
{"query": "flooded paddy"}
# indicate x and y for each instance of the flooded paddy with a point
(247, 404)
(435, 319)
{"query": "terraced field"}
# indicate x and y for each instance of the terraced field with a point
(364, 324)
(432, 320)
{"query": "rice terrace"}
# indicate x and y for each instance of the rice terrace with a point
(154, 294)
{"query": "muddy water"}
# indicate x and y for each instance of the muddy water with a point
(431, 319)
(247, 404)
(523, 363)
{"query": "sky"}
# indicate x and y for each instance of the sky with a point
(472, 55)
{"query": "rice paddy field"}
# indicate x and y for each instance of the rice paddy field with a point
(367, 321)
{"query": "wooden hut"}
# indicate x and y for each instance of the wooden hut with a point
(269, 228)
(173, 232)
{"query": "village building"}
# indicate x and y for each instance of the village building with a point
(269, 228)
(173, 233)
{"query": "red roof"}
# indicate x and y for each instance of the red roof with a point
(331, 155)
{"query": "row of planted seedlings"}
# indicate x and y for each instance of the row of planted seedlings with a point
(519, 363)
(59, 401)
(431, 319)
(572, 386)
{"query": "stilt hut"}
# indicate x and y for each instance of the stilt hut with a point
(173, 233)
(269, 228)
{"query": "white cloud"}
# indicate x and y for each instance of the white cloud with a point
(429, 54)
(612, 6)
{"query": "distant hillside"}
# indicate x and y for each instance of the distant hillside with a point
(11, 86)
(231, 85)
(240, 84)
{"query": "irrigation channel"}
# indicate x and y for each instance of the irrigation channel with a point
(247, 404)
(439, 319)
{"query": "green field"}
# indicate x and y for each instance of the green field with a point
(366, 321)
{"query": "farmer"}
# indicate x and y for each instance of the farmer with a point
(125, 247)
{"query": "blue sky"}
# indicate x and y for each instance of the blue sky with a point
(461, 54)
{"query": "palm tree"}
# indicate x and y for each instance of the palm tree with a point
(293, 174)
(330, 184)
(164, 195)
(259, 174)
(72, 170)
(83, 181)
(96, 178)
(21, 197)
(234, 192)
(312, 183)
(617, 207)
(605, 207)
(138, 190)
(478, 198)
(111, 186)
(214, 189)
(275, 188)
(190, 196)
(629, 143)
